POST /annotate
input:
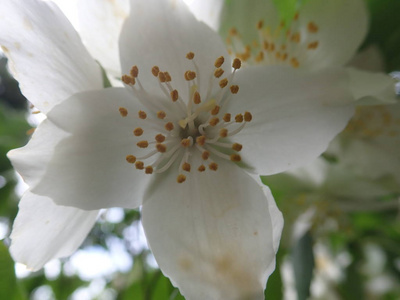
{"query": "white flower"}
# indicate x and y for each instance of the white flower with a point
(212, 226)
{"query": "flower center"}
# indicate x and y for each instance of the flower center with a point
(174, 129)
(284, 44)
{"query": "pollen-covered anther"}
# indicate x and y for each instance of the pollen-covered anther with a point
(169, 126)
(213, 166)
(214, 121)
(294, 62)
(234, 89)
(142, 115)
(295, 37)
(131, 159)
(201, 168)
(123, 111)
(180, 178)
(312, 27)
(205, 155)
(219, 62)
(155, 70)
(161, 114)
(186, 143)
(260, 24)
(201, 140)
(313, 45)
(168, 77)
(149, 170)
(160, 138)
(190, 75)
(237, 147)
(215, 110)
(162, 77)
(227, 117)
(186, 167)
(235, 157)
(223, 132)
(196, 98)
(223, 83)
(161, 148)
(134, 72)
(248, 116)
(128, 80)
(174, 95)
(237, 63)
(260, 56)
(138, 131)
(139, 165)
(218, 73)
(190, 55)
(142, 144)
(239, 118)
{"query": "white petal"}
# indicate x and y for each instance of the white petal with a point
(207, 11)
(214, 235)
(369, 59)
(43, 231)
(100, 23)
(372, 88)
(342, 26)
(88, 169)
(46, 54)
(295, 114)
(161, 33)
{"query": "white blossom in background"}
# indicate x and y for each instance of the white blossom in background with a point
(184, 137)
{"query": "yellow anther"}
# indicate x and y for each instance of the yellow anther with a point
(131, 159)
(235, 157)
(219, 62)
(174, 95)
(142, 144)
(234, 89)
(237, 147)
(214, 121)
(205, 155)
(161, 114)
(201, 168)
(295, 37)
(134, 71)
(123, 111)
(233, 31)
(149, 170)
(169, 126)
(128, 80)
(313, 45)
(215, 110)
(272, 47)
(155, 70)
(284, 56)
(168, 77)
(161, 148)
(223, 83)
(186, 167)
(181, 178)
(265, 45)
(294, 62)
(223, 132)
(260, 24)
(260, 56)
(142, 115)
(162, 77)
(186, 143)
(190, 55)
(201, 140)
(139, 165)
(239, 118)
(236, 63)
(218, 73)
(196, 98)
(138, 131)
(160, 138)
(227, 117)
(248, 116)
(213, 166)
(190, 75)
(312, 27)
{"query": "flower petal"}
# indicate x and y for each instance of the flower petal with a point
(340, 27)
(43, 231)
(295, 114)
(100, 24)
(88, 169)
(207, 11)
(214, 235)
(161, 33)
(372, 88)
(46, 54)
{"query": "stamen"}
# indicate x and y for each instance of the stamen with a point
(237, 147)
(260, 24)
(227, 117)
(169, 126)
(161, 115)
(131, 159)
(139, 165)
(235, 157)
(138, 131)
(214, 121)
(174, 95)
(223, 132)
(312, 27)
(162, 77)
(155, 70)
(219, 62)
(223, 83)
(128, 80)
(313, 45)
(186, 142)
(196, 98)
(201, 168)
(205, 155)
(143, 144)
(190, 55)
(161, 148)
(294, 62)
(160, 138)
(218, 73)
(168, 77)
(236, 63)
(215, 110)
(201, 140)
(234, 89)
(181, 178)
(142, 115)
(149, 170)
(248, 116)
(239, 118)
(213, 166)
(123, 111)
(186, 167)
(134, 72)
(190, 75)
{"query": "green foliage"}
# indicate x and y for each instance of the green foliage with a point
(9, 288)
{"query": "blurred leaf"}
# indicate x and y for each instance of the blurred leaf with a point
(274, 290)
